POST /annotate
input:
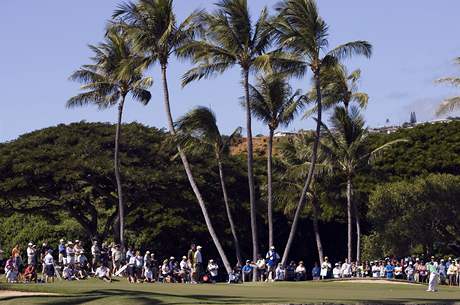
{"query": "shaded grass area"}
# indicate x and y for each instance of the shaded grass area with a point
(97, 292)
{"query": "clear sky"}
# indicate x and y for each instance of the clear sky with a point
(43, 42)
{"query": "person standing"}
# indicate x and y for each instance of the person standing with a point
(434, 274)
(410, 271)
(62, 253)
(198, 263)
(49, 266)
(325, 268)
(31, 255)
(96, 255)
(315, 271)
(389, 270)
(191, 262)
(70, 253)
(346, 269)
(301, 272)
(272, 259)
(280, 273)
(261, 268)
(451, 273)
(336, 273)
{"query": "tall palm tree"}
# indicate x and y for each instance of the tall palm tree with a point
(153, 27)
(116, 71)
(452, 103)
(296, 156)
(232, 39)
(197, 131)
(273, 102)
(300, 30)
(346, 147)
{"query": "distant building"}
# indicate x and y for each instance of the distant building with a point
(280, 134)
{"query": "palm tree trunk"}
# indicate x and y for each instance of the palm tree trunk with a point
(319, 245)
(255, 242)
(349, 218)
(269, 189)
(229, 213)
(358, 232)
(188, 171)
(117, 173)
(311, 171)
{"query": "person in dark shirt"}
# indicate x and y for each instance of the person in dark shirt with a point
(316, 272)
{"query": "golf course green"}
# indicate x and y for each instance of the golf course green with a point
(122, 292)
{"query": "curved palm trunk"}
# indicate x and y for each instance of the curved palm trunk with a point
(255, 242)
(349, 218)
(358, 233)
(188, 171)
(229, 213)
(319, 245)
(269, 189)
(311, 170)
(121, 209)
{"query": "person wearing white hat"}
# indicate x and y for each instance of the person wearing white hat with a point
(70, 253)
(213, 269)
(336, 273)
(184, 272)
(48, 263)
(272, 259)
(325, 268)
(433, 269)
(198, 264)
(31, 254)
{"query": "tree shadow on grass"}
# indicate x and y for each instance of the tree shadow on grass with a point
(134, 297)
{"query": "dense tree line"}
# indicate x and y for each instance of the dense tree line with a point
(58, 182)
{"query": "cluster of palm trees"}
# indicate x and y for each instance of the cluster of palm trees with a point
(274, 48)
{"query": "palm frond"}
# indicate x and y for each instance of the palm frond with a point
(448, 105)
(349, 49)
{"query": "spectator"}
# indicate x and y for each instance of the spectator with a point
(247, 271)
(451, 273)
(280, 273)
(301, 272)
(336, 273)
(261, 268)
(389, 270)
(375, 269)
(346, 269)
(62, 252)
(398, 270)
(184, 273)
(30, 273)
(410, 272)
(213, 269)
(315, 272)
(103, 273)
(198, 259)
(49, 267)
(325, 268)
(96, 254)
(290, 271)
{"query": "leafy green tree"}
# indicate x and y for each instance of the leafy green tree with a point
(452, 103)
(417, 216)
(347, 148)
(153, 27)
(197, 132)
(273, 102)
(116, 71)
(302, 32)
(232, 39)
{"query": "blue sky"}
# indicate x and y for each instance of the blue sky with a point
(43, 42)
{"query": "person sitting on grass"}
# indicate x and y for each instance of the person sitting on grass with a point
(11, 271)
(103, 273)
(213, 269)
(165, 272)
(68, 273)
(336, 273)
(184, 273)
(280, 273)
(30, 274)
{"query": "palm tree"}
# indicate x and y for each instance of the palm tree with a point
(296, 156)
(452, 103)
(197, 132)
(116, 71)
(346, 147)
(231, 39)
(153, 27)
(301, 31)
(273, 102)
(339, 87)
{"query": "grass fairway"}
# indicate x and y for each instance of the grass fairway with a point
(97, 292)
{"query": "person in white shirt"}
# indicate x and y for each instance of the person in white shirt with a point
(184, 272)
(213, 269)
(325, 268)
(165, 272)
(103, 273)
(375, 270)
(336, 272)
(198, 259)
(280, 273)
(68, 273)
(346, 269)
(70, 253)
(300, 272)
(96, 255)
(31, 254)
(48, 261)
(132, 269)
(261, 268)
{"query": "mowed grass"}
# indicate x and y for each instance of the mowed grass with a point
(121, 292)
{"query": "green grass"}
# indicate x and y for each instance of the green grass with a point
(97, 292)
